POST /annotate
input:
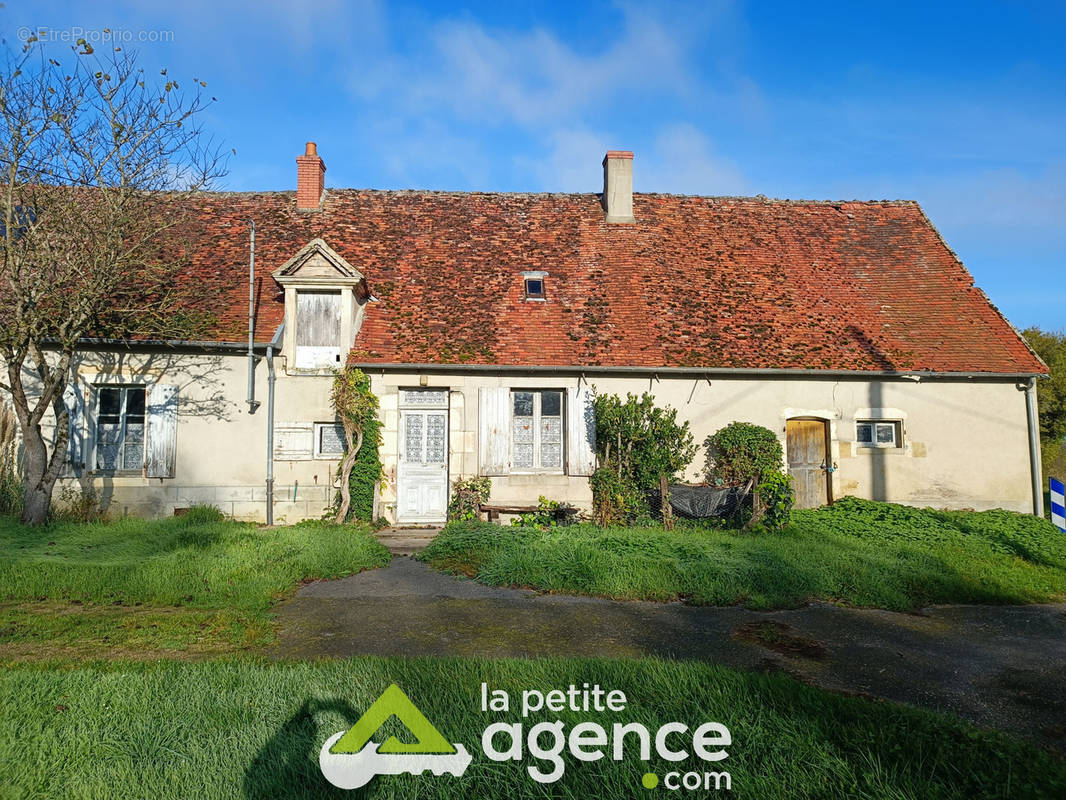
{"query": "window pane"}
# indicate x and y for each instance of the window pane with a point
(523, 456)
(135, 404)
(523, 404)
(551, 404)
(413, 441)
(886, 433)
(436, 436)
(551, 430)
(133, 446)
(551, 442)
(424, 397)
(331, 439)
(522, 436)
(110, 404)
(864, 433)
(534, 287)
(108, 441)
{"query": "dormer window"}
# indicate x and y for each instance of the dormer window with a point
(534, 285)
(324, 299)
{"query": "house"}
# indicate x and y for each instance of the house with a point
(487, 320)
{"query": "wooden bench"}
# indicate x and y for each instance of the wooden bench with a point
(493, 511)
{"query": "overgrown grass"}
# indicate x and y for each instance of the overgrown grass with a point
(857, 552)
(252, 730)
(196, 582)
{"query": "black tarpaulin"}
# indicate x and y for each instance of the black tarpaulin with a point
(702, 502)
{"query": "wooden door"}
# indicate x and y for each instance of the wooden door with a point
(807, 446)
(422, 473)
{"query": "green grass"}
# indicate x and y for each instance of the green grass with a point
(196, 583)
(253, 730)
(855, 552)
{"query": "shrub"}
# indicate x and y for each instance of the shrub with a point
(741, 451)
(549, 514)
(636, 444)
(467, 495)
(615, 500)
(203, 514)
(78, 503)
(775, 494)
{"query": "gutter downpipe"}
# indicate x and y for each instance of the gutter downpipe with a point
(252, 404)
(271, 379)
(1034, 448)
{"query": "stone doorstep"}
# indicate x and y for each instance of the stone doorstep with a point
(406, 541)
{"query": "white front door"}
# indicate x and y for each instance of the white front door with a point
(422, 479)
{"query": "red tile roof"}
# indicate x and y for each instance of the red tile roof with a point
(696, 281)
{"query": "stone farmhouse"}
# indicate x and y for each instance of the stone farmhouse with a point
(487, 320)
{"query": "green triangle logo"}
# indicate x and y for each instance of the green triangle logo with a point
(393, 703)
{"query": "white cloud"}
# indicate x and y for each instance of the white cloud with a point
(530, 78)
(682, 161)
(571, 165)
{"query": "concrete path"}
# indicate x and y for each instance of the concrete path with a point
(1002, 666)
(406, 541)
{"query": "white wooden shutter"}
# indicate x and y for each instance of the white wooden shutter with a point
(294, 441)
(318, 329)
(580, 431)
(75, 404)
(161, 449)
(494, 418)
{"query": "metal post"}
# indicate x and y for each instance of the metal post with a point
(1034, 448)
(252, 404)
(270, 435)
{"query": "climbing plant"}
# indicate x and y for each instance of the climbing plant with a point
(366, 472)
(467, 495)
(357, 409)
(636, 443)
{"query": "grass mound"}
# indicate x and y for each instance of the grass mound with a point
(253, 730)
(193, 563)
(856, 551)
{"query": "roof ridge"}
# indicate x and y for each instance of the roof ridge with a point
(759, 198)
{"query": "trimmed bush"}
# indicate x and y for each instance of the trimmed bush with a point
(741, 451)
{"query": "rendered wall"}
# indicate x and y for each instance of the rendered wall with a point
(965, 442)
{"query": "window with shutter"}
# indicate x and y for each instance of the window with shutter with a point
(318, 329)
(120, 429)
(536, 430)
(162, 429)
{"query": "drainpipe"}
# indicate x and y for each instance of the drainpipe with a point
(1034, 448)
(271, 379)
(252, 404)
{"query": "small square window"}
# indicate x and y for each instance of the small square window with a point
(878, 433)
(329, 440)
(534, 288)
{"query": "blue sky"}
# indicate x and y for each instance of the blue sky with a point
(959, 106)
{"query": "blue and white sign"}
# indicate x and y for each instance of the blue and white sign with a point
(1058, 505)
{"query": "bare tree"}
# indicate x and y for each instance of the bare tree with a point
(98, 160)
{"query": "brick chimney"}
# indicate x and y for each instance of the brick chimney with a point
(310, 179)
(618, 185)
